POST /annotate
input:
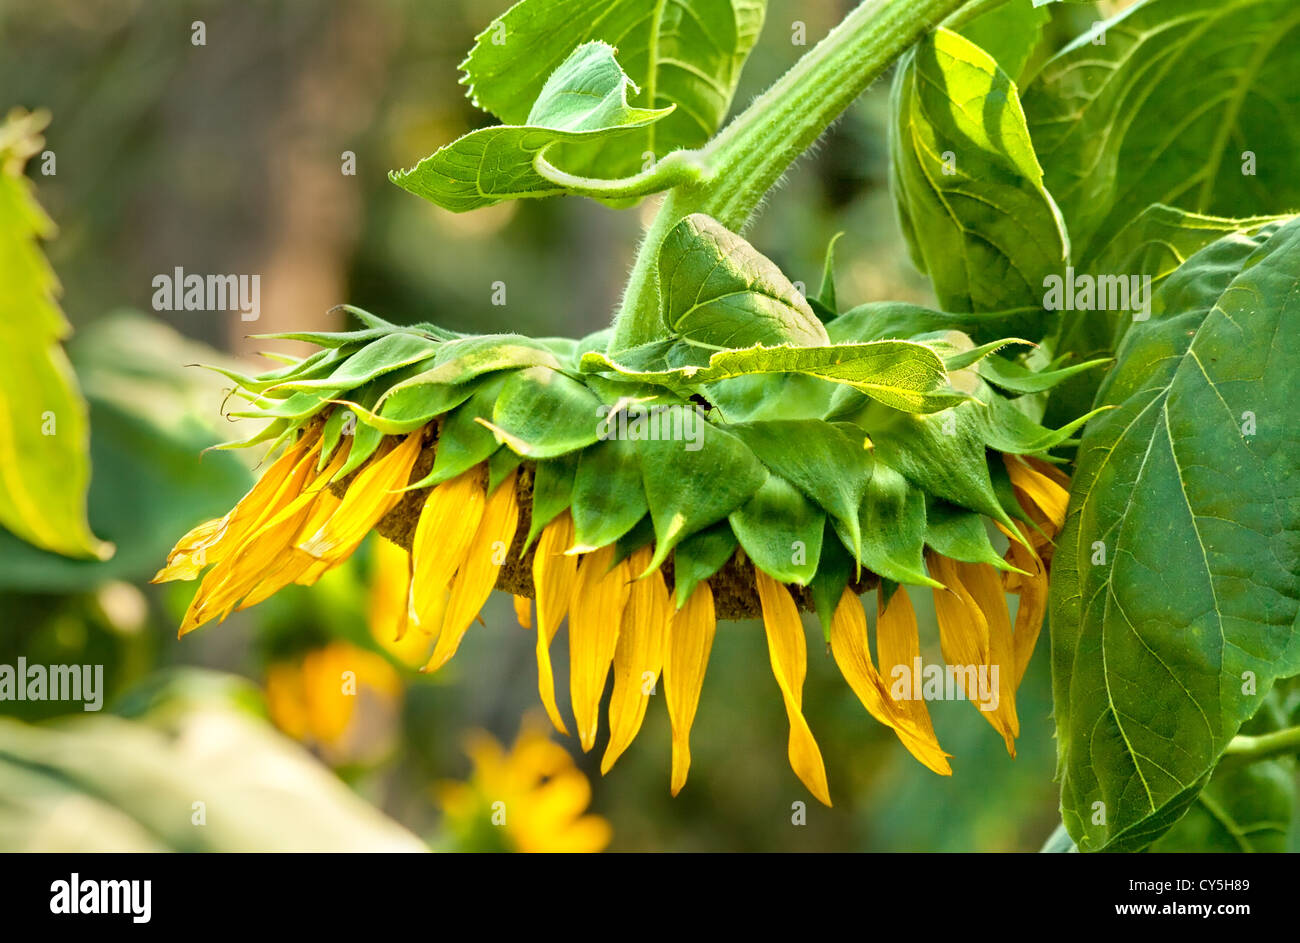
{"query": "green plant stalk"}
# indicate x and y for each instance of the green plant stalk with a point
(749, 156)
(1246, 749)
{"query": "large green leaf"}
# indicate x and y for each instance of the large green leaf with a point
(968, 186)
(1164, 111)
(152, 419)
(1153, 244)
(1176, 580)
(687, 54)
(720, 292)
(44, 461)
(584, 99)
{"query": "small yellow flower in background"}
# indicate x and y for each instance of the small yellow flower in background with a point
(529, 799)
(340, 700)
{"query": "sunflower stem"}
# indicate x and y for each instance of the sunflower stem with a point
(750, 155)
(1267, 746)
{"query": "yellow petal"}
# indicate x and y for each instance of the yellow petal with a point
(524, 611)
(290, 565)
(597, 612)
(982, 582)
(788, 649)
(451, 515)
(852, 655)
(1046, 492)
(898, 646)
(637, 657)
(1032, 591)
(263, 551)
(372, 494)
(478, 574)
(212, 541)
(686, 656)
(554, 576)
(963, 630)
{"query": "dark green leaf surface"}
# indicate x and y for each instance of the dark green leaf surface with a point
(1164, 648)
(584, 99)
(1164, 111)
(719, 292)
(686, 54)
(968, 186)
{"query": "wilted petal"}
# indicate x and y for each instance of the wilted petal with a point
(478, 574)
(788, 649)
(372, 494)
(686, 656)
(554, 576)
(638, 656)
(982, 582)
(852, 655)
(594, 620)
(451, 516)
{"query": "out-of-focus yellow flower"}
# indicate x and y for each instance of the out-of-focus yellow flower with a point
(530, 799)
(341, 700)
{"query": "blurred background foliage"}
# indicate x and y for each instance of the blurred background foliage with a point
(228, 157)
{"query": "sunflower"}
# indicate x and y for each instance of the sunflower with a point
(530, 798)
(339, 699)
(643, 569)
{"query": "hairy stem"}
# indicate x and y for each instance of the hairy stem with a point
(749, 156)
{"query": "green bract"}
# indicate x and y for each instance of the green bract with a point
(645, 455)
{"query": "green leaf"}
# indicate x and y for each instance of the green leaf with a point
(802, 452)
(900, 374)
(388, 353)
(463, 440)
(44, 441)
(1103, 116)
(151, 420)
(608, 496)
(541, 413)
(463, 360)
(960, 534)
(690, 485)
(584, 100)
(699, 556)
(781, 531)
(1189, 489)
(833, 572)
(685, 55)
(967, 183)
(1017, 378)
(893, 527)
(719, 292)
(880, 320)
(826, 294)
(1242, 809)
(1010, 32)
(944, 454)
(552, 492)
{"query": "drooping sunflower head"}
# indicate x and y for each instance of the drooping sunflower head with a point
(645, 496)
